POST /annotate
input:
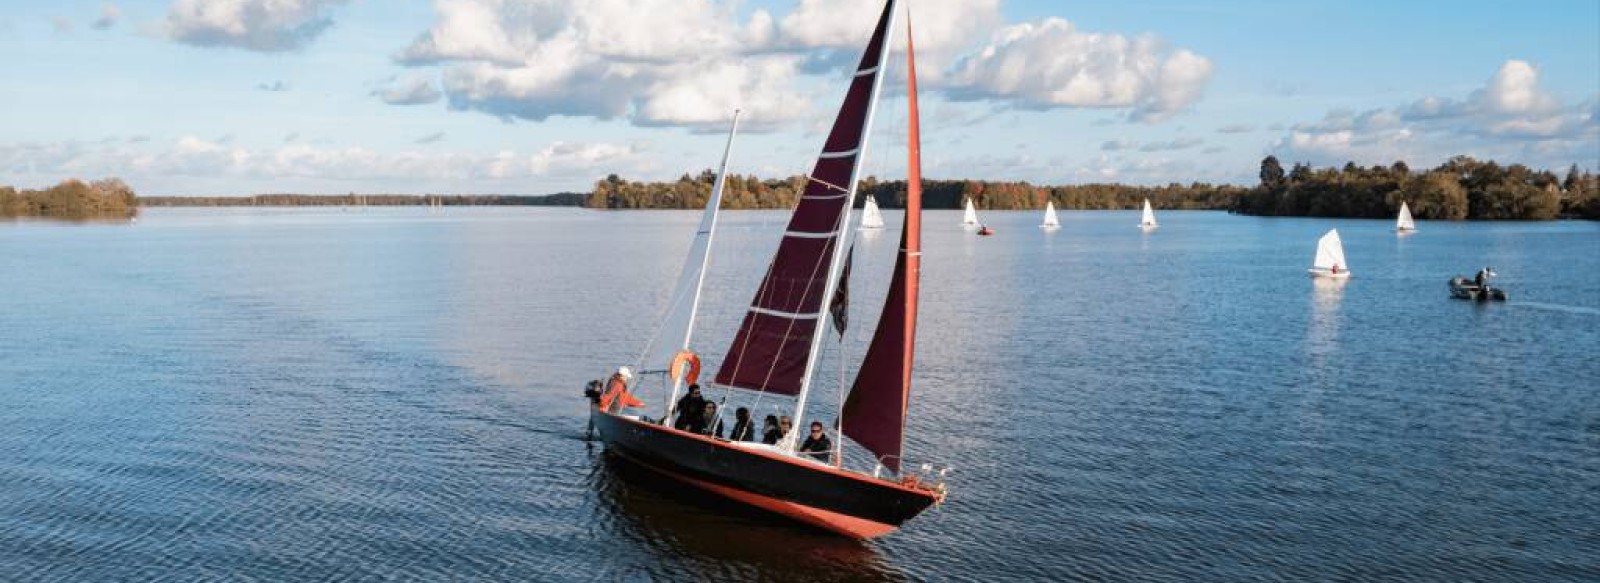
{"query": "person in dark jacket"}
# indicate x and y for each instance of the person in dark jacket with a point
(690, 408)
(711, 423)
(817, 445)
(744, 428)
(770, 434)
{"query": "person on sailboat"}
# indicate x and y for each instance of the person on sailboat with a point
(689, 409)
(744, 428)
(616, 395)
(710, 423)
(770, 434)
(817, 444)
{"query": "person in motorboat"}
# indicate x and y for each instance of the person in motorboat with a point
(1482, 278)
(744, 428)
(710, 423)
(817, 444)
(689, 409)
(770, 434)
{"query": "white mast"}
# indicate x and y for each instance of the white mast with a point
(840, 249)
(693, 276)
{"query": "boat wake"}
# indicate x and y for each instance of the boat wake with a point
(1557, 308)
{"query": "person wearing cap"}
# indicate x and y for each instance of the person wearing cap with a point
(690, 410)
(616, 395)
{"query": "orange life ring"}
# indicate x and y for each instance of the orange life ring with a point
(679, 360)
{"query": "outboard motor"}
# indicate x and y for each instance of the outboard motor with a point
(592, 391)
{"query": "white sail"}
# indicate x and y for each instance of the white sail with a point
(1330, 257)
(1404, 222)
(970, 217)
(1050, 220)
(677, 328)
(871, 217)
(1149, 218)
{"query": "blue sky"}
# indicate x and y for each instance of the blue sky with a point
(511, 96)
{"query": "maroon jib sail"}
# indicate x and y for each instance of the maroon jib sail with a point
(875, 412)
(772, 348)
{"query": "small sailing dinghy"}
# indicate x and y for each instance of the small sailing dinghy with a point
(1330, 257)
(969, 218)
(871, 217)
(1403, 223)
(774, 354)
(1148, 221)
(1050, 220)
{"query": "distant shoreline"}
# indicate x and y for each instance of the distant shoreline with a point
(297, 200)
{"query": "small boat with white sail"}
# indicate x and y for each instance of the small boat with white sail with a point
(1147, 221)
(871, 217)
(1051, 222)
(1403, 223)
(1330, 257)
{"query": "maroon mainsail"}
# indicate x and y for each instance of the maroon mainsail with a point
(875, 412)
(773, 346)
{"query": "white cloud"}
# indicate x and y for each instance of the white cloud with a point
(416, 91)
(109, 15)
(1182, 143)
(1511, 118)
(680, 62)
(257, 25)
(691, 62)
(337, 168)
(1052, 64)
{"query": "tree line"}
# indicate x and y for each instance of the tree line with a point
(558, 199)
(750, 192)
(72, 200)
(1460, 188)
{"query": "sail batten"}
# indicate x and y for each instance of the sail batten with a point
(874, 412)
(772, 352)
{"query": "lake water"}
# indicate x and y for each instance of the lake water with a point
(388, 394)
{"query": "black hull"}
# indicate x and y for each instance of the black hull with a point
(845, 502)
(1464, 289)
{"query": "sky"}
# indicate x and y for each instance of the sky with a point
(236, 97)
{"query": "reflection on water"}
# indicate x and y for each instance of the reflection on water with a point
(303, 394)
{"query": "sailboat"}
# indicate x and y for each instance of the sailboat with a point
(1050, 220)
(871, 218)
(1403, 223)
(969, 218)
(1148, 221)
(774, 353)
(1330, 257)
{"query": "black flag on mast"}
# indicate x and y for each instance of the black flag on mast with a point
(840, 306)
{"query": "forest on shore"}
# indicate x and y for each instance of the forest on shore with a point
(750, 192)
(558, 199)
(72, 200)
(1461, 188)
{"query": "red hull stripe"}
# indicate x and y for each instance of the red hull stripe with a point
(847, 525)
